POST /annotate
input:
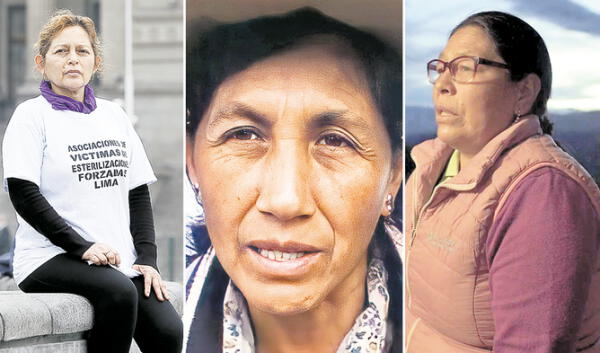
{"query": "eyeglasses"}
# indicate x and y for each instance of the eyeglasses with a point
(462, 69)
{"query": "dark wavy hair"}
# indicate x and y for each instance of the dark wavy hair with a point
(523, 50)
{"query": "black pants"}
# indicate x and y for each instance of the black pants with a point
(121, 311)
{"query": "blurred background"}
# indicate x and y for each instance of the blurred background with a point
(571, 31)
(154, 78)
(382, 17)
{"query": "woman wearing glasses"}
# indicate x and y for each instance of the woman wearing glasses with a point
(503, 226)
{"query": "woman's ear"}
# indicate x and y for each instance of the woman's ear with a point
(528, 90)
(97, 63)
(39, 63)
(394, 182)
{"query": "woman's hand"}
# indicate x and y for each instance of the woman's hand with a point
(152, 279)
(102, 254)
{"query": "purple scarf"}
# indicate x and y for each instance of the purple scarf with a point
(59, 102)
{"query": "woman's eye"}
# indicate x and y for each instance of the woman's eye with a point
(334, 141)
(84, 51)
(59, 51)
(244, 134)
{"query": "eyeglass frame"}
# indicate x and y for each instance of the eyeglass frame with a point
(478, 61)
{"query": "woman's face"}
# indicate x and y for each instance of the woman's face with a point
(69, 62)
(469, 115)
(294, 163)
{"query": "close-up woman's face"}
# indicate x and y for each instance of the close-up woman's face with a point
(294, 163)
(468, 115)
(69, 62)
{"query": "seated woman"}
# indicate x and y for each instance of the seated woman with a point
(504, 225)
(294, 149)
(77, 175)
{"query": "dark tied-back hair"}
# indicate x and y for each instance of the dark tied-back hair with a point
(227, 49)
(523, 50)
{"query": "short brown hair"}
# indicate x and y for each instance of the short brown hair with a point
(60, 20)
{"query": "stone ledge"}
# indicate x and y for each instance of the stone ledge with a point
(52, 322)
(70, 343)
(29, 315)
(7, 283)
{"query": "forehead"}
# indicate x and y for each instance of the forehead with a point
(320, 61)
(470, 40)
(315, 73)
(71, 34)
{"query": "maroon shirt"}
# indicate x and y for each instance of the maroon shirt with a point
(541, 253)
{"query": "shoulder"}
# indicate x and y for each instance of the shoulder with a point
(38, 103)
(539, 160)
(35, 102)
(550, 187)
(30, 112)
(107, 105)
(113, 112)
(548, 209)
(548, 176)
(541, 150)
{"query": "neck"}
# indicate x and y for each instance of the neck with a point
(76, 95)
(319, 330)
(465, 158)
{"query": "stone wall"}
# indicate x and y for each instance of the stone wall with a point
(51, 322)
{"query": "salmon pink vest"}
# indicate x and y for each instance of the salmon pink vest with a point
(448, 297)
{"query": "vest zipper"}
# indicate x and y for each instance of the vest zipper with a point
(420, 213)
(417, 218)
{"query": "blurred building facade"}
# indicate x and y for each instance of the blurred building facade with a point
(157, 31)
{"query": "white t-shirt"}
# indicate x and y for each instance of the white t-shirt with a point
(84, 165)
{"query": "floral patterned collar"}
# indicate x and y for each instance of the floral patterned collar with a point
(368, 335)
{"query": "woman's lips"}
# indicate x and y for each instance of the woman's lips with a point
(279, 255)
(287, 246)
(73, 72)
(288, 260)
(444, 115)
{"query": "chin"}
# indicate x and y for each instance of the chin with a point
(447, 135)
(283, 301)
(73, 84)
(75, 88)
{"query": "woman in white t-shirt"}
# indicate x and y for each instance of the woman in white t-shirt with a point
(77, 175)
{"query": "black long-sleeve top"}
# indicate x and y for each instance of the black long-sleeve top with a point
(33, 207)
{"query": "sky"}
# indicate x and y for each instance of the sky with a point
(570, 28)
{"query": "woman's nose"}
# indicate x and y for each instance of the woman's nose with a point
(284, 190)
(444, 83)
(72, 58)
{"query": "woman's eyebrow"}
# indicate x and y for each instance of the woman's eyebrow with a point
(239, 110)
(66, 45)
(457, 54)
(343, 118)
